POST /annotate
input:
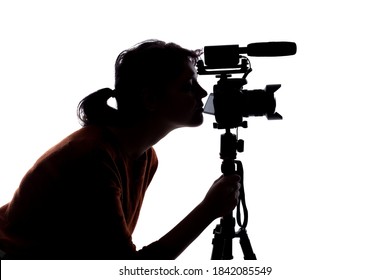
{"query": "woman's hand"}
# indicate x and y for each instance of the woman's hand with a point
(223, 195)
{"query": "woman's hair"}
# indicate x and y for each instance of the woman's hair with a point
(150, 65)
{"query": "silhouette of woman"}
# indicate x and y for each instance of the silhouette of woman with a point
(82, 198)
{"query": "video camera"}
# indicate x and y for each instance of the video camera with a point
(229, 102)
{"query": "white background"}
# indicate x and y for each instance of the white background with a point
(316, 182)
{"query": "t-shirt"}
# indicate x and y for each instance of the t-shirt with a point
(80, 200)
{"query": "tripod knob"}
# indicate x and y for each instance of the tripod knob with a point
(240, 146)
(244, 124)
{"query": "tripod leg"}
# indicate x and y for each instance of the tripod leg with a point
(246, 245)
(223, 239)
(228, 232)
(217, 244)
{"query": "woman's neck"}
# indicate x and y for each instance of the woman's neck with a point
(138, 138)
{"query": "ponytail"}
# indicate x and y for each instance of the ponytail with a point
(94, 110)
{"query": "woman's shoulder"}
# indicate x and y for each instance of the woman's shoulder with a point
(92, 142)
(82, 142)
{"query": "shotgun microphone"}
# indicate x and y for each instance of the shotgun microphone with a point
(229, 55)
(270, 49)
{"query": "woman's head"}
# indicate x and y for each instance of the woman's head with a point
(143, 74)
(151, 64)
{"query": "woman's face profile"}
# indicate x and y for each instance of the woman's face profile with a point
(181, 104)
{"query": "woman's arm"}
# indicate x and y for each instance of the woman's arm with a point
(220, 200)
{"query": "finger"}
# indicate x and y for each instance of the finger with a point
(236, 177)
(237, 194)
(232, 178)
(236, 186)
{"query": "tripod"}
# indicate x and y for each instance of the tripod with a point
(225, 231)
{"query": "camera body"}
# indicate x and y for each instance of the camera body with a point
(232, 103)
(229, 102)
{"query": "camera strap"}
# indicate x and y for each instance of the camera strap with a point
(241, 200)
